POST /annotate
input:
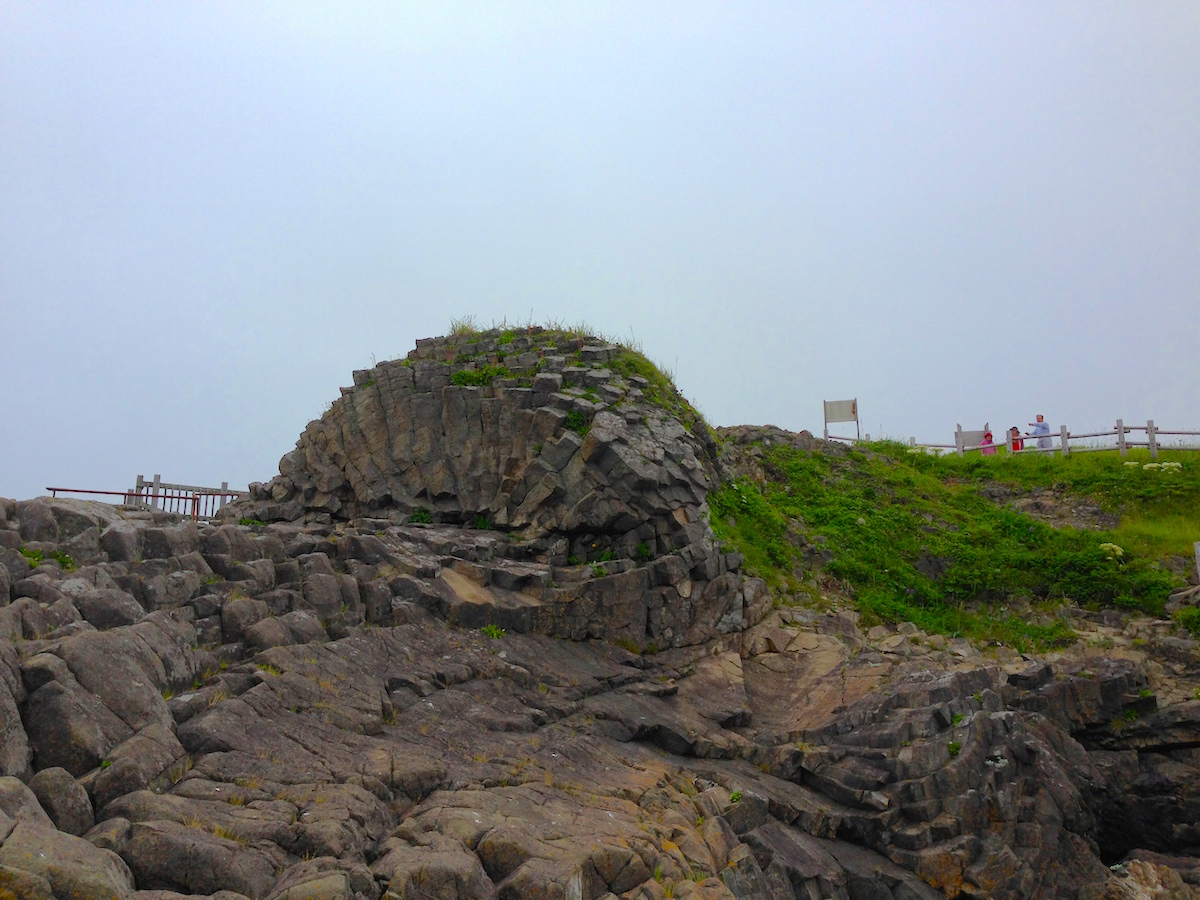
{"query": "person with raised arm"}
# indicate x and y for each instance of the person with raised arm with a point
(1041, 431)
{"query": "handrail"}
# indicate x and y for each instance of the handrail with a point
(196, 502)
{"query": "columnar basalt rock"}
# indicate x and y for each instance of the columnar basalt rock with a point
(586, 468)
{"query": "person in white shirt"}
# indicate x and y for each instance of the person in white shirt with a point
(1041, 431)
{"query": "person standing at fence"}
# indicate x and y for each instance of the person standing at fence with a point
(1014, 439)
(987, 445)
(1041, 431)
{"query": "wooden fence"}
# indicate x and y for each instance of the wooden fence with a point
(184, 499)
(968, 441)
(1114, 438)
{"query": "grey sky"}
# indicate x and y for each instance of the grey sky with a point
(211, 213)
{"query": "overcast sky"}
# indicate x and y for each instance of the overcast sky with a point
(210, 213)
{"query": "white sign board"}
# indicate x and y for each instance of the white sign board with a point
(841, 410)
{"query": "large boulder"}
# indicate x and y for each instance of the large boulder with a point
(64, 800)
(34, 853)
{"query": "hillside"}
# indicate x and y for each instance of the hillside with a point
(988, 548)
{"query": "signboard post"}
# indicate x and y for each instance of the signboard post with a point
(842, 411)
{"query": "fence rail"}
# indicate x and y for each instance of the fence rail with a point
(183, 499)
(968, 441)
(1060, 441)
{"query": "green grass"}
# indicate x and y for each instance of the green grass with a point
(421, 517)
(479, 377)
(660, 389)
(36, 558)
(884, 511)
(578, 422)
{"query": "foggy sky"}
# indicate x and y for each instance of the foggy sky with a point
(957, 212)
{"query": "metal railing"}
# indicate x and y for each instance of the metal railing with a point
(182, 499)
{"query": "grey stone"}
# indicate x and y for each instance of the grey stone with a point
(237, 615)
(64, 800)
(109, 608)
(122, 542)
(37, 521)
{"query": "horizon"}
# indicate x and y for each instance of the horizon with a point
(211, 214)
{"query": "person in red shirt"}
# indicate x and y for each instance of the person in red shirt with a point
(1015, 441)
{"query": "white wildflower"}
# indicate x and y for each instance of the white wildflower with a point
(1112, 551)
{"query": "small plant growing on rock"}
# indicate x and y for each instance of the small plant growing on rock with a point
(493, 631)
(34, 557)
(658, 873)
(599, 571)
(642, 552)
(479, 377)
(956, 718)
(954, 747)
(463, 326)
(577, 422)
(63, 560)
(252, 522)
(735, 797)
(482, 523)
(421, 517)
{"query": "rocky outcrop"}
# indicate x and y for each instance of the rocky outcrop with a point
(347, 704)
(584, 468)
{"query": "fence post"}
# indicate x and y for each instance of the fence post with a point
(154, 490)
(958, 438)
(1150, 436)
(1121, 437)
(912, 442)
(1066, 449)
(221, 499)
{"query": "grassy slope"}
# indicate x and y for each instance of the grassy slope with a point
(881, 511)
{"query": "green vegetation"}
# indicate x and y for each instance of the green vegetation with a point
(493, 631)
(913, 537)
(735, 797)
(481, 376)
(578, 422)
(1189, 618)
(421, 517)
(482, 523)
(251, 522)
(954, 747)
(659, 388)
(36, 558)
(642, 552)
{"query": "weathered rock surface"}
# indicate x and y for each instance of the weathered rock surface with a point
(314, 709)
